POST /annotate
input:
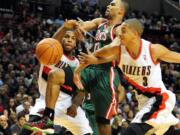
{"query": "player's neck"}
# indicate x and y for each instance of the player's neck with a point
(68, 55)
(134, 47)
(115, 20)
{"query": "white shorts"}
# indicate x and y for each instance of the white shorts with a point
(78, 125)
(164, 116)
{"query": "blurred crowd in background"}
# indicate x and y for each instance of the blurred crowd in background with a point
(20, 30)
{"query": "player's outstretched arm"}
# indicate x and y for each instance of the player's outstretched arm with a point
(159, 52)
(106, 54)
(91, 25)
(68, 25)
(77, 76)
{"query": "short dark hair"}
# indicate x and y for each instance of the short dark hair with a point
(136, 25)
(20, 115)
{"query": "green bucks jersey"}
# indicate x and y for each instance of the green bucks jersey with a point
(104, 36)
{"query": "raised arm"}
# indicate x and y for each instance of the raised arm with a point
(106, 54)
(91, 25)
(68, 25)
(110, 52)
(159, 52)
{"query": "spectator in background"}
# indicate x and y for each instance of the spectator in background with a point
(59, 21)
(11, 107)
(18, 99)
(25, 106)
(12, 118)
(4, 126)
(21, 120)
(116, 125)
(1, 79)
(1, 107)
(4, 95)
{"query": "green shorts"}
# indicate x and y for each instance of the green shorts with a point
(90, 114)
(103, 86)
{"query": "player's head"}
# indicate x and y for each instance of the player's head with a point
(116, 8)
(69, 41)
(130, 29)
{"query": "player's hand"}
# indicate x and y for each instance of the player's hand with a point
(87, 58)
(79, 33)
(72, 110)
(77, 80)
(71, 24)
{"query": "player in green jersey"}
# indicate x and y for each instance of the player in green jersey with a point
(102, 81)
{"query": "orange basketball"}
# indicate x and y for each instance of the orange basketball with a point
(49, 51)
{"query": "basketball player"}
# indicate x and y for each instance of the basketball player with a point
(89, 108)
(102, 80)
(140, 62)
(56, 88)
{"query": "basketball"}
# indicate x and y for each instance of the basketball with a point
(49, 51)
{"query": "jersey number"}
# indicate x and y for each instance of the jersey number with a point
(145, 81)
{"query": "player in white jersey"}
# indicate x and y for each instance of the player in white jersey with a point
(139, 61)
(78, 124)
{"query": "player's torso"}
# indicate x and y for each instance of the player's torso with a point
(66, 64)
(104, 36)
(72, 62)
(141, 69)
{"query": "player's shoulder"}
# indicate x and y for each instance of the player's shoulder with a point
(98, 21)
(155, 47)
(156, 50)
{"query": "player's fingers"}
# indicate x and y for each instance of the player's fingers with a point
(83, 54)
(82, 61)
(81, 57)
(72, 113)
(79, 84)
(88, 51)
(79, 33)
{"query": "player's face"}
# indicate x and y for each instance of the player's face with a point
(113, 8)
(126, 34)
(69, 41)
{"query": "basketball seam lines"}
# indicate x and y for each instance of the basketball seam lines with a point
(51, 55)
(58, 51)
(44, 52)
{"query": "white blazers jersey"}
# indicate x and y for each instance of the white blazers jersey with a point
(142, 70)
(43, 84)
(73, 62)
(78, 125)
(155, 103)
